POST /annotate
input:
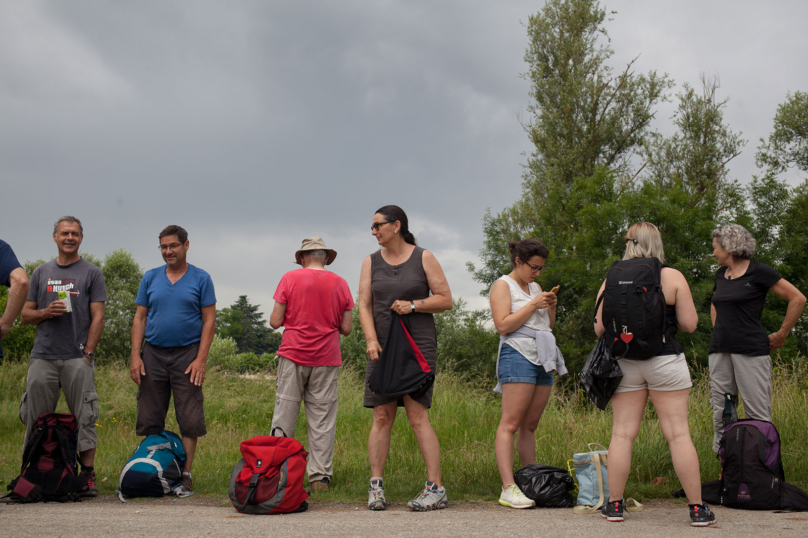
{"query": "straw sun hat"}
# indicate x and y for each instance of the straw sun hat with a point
(315, 243)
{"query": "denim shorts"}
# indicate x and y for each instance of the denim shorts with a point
(515, 368)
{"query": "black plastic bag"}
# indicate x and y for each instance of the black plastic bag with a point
(550, 487)
(601, 374)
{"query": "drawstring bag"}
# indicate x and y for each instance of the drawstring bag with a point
(402, 368)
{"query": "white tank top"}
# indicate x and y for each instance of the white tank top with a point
(539, 320)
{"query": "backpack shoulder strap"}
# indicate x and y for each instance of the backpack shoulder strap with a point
(32, 443)
(63, 444)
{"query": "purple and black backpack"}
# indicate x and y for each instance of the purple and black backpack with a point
(752, 475)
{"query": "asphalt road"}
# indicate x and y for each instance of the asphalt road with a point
(106, 516)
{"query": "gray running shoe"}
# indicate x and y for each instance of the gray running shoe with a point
(429, 499)
(376, 496)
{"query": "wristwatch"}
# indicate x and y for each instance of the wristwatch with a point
(412, 304)
(90, 355)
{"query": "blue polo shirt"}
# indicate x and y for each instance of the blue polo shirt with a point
(8, 262)
(175, 310)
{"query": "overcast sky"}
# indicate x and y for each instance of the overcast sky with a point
(256, 124)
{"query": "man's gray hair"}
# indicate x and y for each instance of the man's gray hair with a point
(318, 255)
(68, 218)
(736, 240)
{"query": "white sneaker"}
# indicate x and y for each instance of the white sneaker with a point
(513, 497)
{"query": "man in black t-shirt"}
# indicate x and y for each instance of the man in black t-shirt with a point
(15, 278)
(740, 347)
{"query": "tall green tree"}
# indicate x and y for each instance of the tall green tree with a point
(787, 146)
(597, 167)
(246, 325)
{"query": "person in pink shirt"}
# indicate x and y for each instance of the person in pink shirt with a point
(314, 307)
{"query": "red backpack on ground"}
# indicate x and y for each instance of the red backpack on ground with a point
(269, 477)
(49, 471)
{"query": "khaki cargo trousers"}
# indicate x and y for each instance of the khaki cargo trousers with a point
(316, 386)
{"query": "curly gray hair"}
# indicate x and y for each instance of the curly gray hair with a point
(736, 240)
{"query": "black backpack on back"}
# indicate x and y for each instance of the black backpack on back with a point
(634, 309)
(49, 469)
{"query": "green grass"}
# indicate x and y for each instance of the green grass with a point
(465, 415)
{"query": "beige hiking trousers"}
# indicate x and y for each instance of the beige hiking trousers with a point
(316, 386)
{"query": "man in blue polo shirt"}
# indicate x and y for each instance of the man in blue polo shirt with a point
(13, 276)
(176, 314)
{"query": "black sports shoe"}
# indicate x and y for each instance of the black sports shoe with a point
(701, 515)
(612, 510)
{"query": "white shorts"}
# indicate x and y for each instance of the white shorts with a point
(663, 373)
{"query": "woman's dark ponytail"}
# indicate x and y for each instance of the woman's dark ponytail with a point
(394, 213)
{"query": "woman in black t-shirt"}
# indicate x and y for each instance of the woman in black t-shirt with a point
(740, 347)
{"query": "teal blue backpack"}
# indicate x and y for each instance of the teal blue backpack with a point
(155, 468)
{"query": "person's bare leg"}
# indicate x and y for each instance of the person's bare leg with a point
(87, 458)
(671, 408)
(189, 444)
(418, 415)
(526, 435)
(379, 438)
(516, 398)
(628, 408)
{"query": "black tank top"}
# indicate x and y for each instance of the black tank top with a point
(671, 345)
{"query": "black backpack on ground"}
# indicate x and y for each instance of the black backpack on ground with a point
(752, 475)
(49, 469)
(634, 309)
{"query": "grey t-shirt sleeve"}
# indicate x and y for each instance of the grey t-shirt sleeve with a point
(33, 287)
(98, 287)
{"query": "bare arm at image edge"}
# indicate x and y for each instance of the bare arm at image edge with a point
(15, 299)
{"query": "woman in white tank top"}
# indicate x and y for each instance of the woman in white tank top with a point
(519, 305)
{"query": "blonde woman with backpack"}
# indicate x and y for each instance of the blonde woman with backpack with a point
(663, 378)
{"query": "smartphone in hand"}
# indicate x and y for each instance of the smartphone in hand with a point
(555, 289)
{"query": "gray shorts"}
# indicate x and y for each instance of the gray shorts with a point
(76, 378)
(662, 373)
(165, 374)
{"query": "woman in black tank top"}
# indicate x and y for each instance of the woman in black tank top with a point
(409, 280)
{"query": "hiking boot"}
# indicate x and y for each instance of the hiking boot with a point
(187, 485)
(612, 511)
(320, 486)
(376, 496)
(513, 497)
(701, 515)
(91, 490)
(431, 498)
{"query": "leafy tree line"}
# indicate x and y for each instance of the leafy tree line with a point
(597, 167)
